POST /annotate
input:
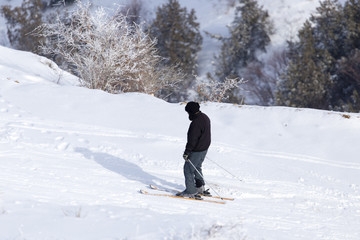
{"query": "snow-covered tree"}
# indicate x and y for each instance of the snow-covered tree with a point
(107, 52)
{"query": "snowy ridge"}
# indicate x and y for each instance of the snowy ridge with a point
(73, 159)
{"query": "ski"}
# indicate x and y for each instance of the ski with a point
(175, 191)
(173, 196)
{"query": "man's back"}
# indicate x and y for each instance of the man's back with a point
(199, 133)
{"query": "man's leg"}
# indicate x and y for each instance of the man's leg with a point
(193, 179)
(189, 178)
(199, 158)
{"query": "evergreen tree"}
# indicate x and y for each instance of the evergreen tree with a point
(249, 33)
(328, 29)
(178, 36)
(347, 82)
(22, 21)
(352, 24)
(333, 60)
(305, 83)
(328, 36)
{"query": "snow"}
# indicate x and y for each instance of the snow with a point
(73, 161)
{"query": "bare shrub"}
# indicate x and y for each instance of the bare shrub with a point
(215, 91)
(106, 52)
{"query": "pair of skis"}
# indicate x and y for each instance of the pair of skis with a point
(209, 198)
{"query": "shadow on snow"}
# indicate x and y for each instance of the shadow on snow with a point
(127, 169)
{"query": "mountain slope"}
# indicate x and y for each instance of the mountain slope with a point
(73, 159)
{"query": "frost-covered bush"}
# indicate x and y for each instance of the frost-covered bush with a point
(215, 91)
(106, 52)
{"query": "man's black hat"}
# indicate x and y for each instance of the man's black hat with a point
(192, 107)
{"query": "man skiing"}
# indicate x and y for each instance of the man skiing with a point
(198, 142)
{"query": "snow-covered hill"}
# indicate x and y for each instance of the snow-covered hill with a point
(73, 161)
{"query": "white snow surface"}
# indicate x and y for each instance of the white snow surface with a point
(73, 161)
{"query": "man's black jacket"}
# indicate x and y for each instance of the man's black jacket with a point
(199, 133)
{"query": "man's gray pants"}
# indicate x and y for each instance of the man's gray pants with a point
(192, 178)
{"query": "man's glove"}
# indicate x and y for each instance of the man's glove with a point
(186, 157)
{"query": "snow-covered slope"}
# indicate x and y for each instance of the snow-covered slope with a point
(73, 160)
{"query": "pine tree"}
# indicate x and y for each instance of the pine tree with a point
(178, 36)
(352, 23)
(347, 76)
(328, 29)
(347, 89)
(305, 83)
(21, 22)
(249, 33)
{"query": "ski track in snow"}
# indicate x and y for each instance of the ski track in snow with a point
(90, 130)
(284, 155)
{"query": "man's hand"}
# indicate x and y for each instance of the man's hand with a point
(186, 157)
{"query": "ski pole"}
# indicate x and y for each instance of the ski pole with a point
(204, 179)
(225, 170)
